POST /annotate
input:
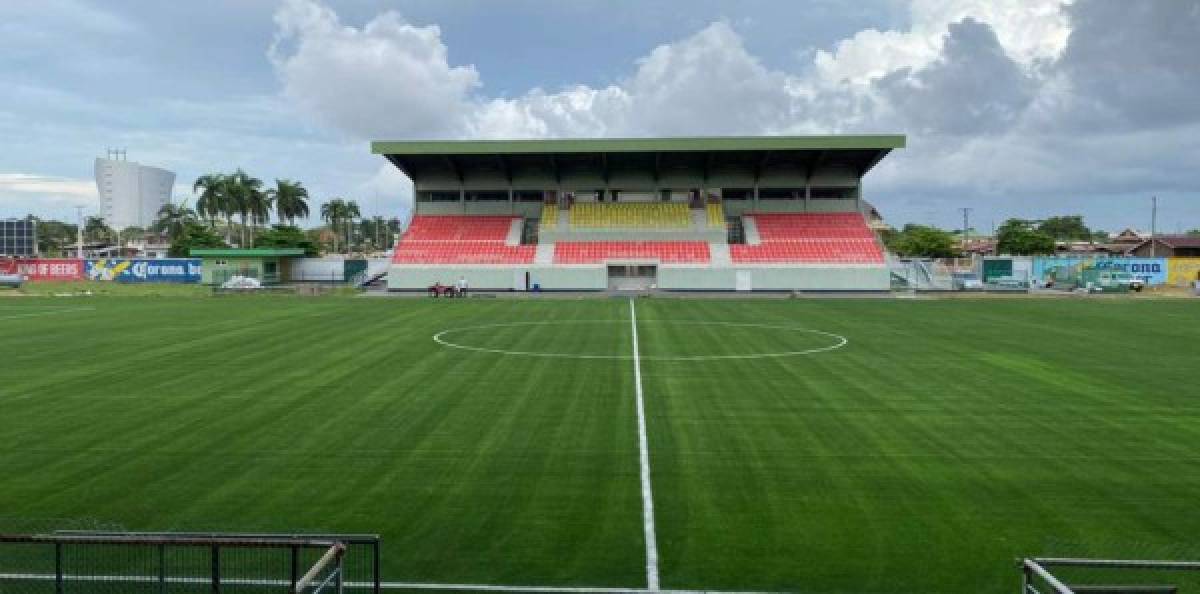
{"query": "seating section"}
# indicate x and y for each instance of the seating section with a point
(716, 215)
(834, 251)
(460, 240)
(596, 252)
(458, 228)
(466, 252)
(835, 238)
(549, 216)
(828, 225)
(632, 215)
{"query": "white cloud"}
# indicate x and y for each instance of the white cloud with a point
(386, 79)
(985, 89)
(1030, 31)
(19, 190)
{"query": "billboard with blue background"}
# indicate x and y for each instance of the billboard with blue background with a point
(1152, 270)
(144, 270)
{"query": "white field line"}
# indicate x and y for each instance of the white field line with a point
(644, 458)
(150, 579)
(839, 341)
(46, 313)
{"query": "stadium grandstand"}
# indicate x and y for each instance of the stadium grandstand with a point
(691, 214)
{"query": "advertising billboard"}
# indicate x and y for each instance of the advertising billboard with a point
(1183, 272)
(142, 270)
(1151, 270)
(44, 269)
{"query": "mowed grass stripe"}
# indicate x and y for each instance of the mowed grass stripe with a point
(345, 418)
(928, 453)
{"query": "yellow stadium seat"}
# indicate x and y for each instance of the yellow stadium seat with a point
(638, 215)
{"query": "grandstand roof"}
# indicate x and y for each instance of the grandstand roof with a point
(463, 158)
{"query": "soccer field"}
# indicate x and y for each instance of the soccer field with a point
(841, 446)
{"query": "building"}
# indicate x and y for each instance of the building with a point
(131, 194)
(268, 265)
(778, 213)
(1168, 246)
(18, 238)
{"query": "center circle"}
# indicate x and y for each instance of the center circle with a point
(658, 340)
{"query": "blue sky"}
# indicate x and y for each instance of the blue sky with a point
(1012, 107)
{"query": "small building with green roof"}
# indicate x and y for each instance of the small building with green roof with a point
(268, 265)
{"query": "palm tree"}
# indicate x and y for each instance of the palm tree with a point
(173, 218)
(333, 212)
(351, 213)
(246, 199)
(291, 200)
(213, 201)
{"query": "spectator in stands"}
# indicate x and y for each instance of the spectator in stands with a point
(462, 286)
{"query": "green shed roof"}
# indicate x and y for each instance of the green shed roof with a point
(615, 145)
(246, 253)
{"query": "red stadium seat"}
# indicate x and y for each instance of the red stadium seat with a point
(596, 252)
(456, 228)
(460, 240)
(819, 238)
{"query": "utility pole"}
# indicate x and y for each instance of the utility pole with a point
(1153, 226)
(79, 232)
(966, 212)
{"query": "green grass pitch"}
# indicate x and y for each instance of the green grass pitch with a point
(942, 441)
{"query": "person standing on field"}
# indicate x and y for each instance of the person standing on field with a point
(462, 286)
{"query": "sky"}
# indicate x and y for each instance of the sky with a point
(1013, 108)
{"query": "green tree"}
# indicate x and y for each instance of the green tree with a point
(352, 213)
(172, 218)
(291, 200)
(339, 213)
(54, 237)
(248, 200)
(1194, 232)
(96, 230)
(288, 236)
(214, 201)
(194, 235)
(922, 241)
(1020, 237)
(1065, 228)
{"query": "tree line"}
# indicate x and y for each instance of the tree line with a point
(1020, 237)
(237, 209)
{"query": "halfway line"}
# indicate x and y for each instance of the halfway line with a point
(644, 458)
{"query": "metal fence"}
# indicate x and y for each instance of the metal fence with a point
(1061, 575)
(168, 563)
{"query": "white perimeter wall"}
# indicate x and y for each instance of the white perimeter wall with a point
(595, 278)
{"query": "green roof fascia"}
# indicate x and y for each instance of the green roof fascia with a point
(617, 145)
(245, 253)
